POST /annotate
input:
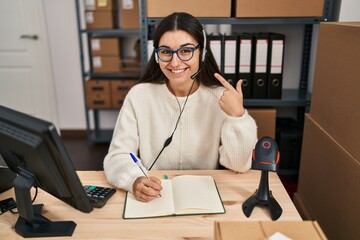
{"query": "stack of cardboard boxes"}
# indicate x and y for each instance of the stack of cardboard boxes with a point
(105, 55)
(99, 14)
(106, 93)
(106, 51)
(98, 94)
(110, 14)
(329, 179)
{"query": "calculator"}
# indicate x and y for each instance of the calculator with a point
(98, 195)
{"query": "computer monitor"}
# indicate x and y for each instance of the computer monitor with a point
(32, 148)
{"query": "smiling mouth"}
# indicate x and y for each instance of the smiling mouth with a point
(178, 71)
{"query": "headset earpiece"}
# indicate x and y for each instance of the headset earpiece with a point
(204, 48)
(156, 57)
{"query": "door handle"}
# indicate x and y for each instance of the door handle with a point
(33, 37)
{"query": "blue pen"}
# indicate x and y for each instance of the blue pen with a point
(137, 163)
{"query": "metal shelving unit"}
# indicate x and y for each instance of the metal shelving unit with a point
(95, 133)
(297, 98)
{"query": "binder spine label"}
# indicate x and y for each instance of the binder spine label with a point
(245, 56)
(215, 46)
(261, 56)
(230, 56)
(277, 56)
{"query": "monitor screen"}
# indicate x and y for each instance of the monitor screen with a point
(32, 148)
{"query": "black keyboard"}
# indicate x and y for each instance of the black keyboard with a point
(97, 195)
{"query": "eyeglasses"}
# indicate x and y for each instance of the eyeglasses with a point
(183, 53)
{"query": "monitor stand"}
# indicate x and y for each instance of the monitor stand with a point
(30, 222)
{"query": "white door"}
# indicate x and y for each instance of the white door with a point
(26, 82)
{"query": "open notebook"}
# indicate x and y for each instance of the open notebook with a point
(182, 195)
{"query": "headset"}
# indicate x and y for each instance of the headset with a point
(203, 58)
(204, 51)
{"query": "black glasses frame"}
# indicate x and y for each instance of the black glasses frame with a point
(156, 50)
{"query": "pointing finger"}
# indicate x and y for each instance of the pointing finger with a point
(239, 86)
(223, 82)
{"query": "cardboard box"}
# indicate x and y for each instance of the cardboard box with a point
(265, 119)
(279, 8)
(130, 65)
(119, 89)
(329, 180)
(105, 46)
(98, 86)
(335, 96)
(99, 19)
(104, 5)
(98, 94)
(197, 8)
(129, 14)
(300, 206)
(234, 230)
(106, 64)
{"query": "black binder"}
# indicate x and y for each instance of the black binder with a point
(275, 65)
(216, 46)
(244, 61)
(230, 56)
(260, 65)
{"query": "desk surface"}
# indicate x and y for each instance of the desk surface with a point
(107, 222)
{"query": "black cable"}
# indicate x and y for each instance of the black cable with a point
(169, 139)
(32, 201)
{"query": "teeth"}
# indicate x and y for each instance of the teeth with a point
(178, 71)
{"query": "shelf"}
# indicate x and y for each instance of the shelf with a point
(290, 98)
(111, 32)
(315, 20)
(112, 75)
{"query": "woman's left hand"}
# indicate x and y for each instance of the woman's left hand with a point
(231, 102)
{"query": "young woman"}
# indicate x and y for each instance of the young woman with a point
(181, 115)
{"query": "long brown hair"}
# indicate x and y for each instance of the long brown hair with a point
(191, 25)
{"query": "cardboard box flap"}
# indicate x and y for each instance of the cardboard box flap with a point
(234, 230)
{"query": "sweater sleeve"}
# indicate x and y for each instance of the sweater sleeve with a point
(238, 139)
(119, 168)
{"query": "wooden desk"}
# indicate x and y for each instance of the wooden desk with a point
(107, 222)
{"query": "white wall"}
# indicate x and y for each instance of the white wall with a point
(63, 38)
(349, 11)
(64, 47)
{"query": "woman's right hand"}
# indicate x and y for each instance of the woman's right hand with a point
(146, 189)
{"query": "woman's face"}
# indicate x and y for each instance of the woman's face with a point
(177, 71)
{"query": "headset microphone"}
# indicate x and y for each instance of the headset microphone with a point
(200, 68)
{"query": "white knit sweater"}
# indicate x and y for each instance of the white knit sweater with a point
(204, 138)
